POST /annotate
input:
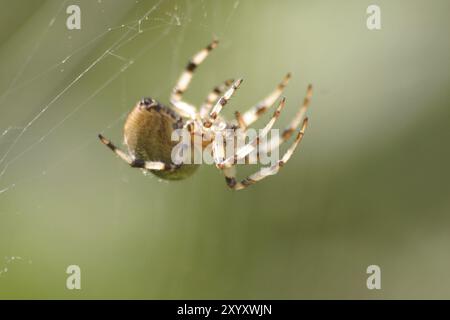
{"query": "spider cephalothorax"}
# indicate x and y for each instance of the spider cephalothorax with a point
(149, 128)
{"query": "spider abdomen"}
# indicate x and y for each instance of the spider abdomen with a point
(147, 134)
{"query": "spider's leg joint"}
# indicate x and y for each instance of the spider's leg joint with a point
(247, 182)
(305, 124)
(137, 163)
(106, 142)
(174, 167)
(231, 182)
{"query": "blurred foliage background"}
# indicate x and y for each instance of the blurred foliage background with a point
(369, 185)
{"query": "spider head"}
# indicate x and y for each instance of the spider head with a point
(147, 103)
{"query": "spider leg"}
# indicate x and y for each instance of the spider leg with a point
(248, 148)
(213, 96)
(185, 79)
(136, 163)
(230, 172)
(289, 130)
(240, 120)
(221, 103)
(261, 107)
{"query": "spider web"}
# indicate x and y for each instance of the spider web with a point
(130, 31)
(24, 132)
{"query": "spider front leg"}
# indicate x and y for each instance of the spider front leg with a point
(221, 103)
(137, 163)
(251, 146)
(230, 172)
(184, 80)
(290, 129)
(213, 96)
(261, 107)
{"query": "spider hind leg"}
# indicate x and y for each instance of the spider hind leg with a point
(230, 172)
(137, 163)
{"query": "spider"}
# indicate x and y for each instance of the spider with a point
(148, 128)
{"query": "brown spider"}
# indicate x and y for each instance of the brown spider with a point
(149, 126)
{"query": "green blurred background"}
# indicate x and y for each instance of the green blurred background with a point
(370, 184)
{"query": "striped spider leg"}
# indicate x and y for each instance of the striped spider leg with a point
(289, 130)
(213, 96)
(242, 152)
(184, 108)
(261, 107)
(137, 163)
(228, 165)
(220, 104)
(230, 171)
